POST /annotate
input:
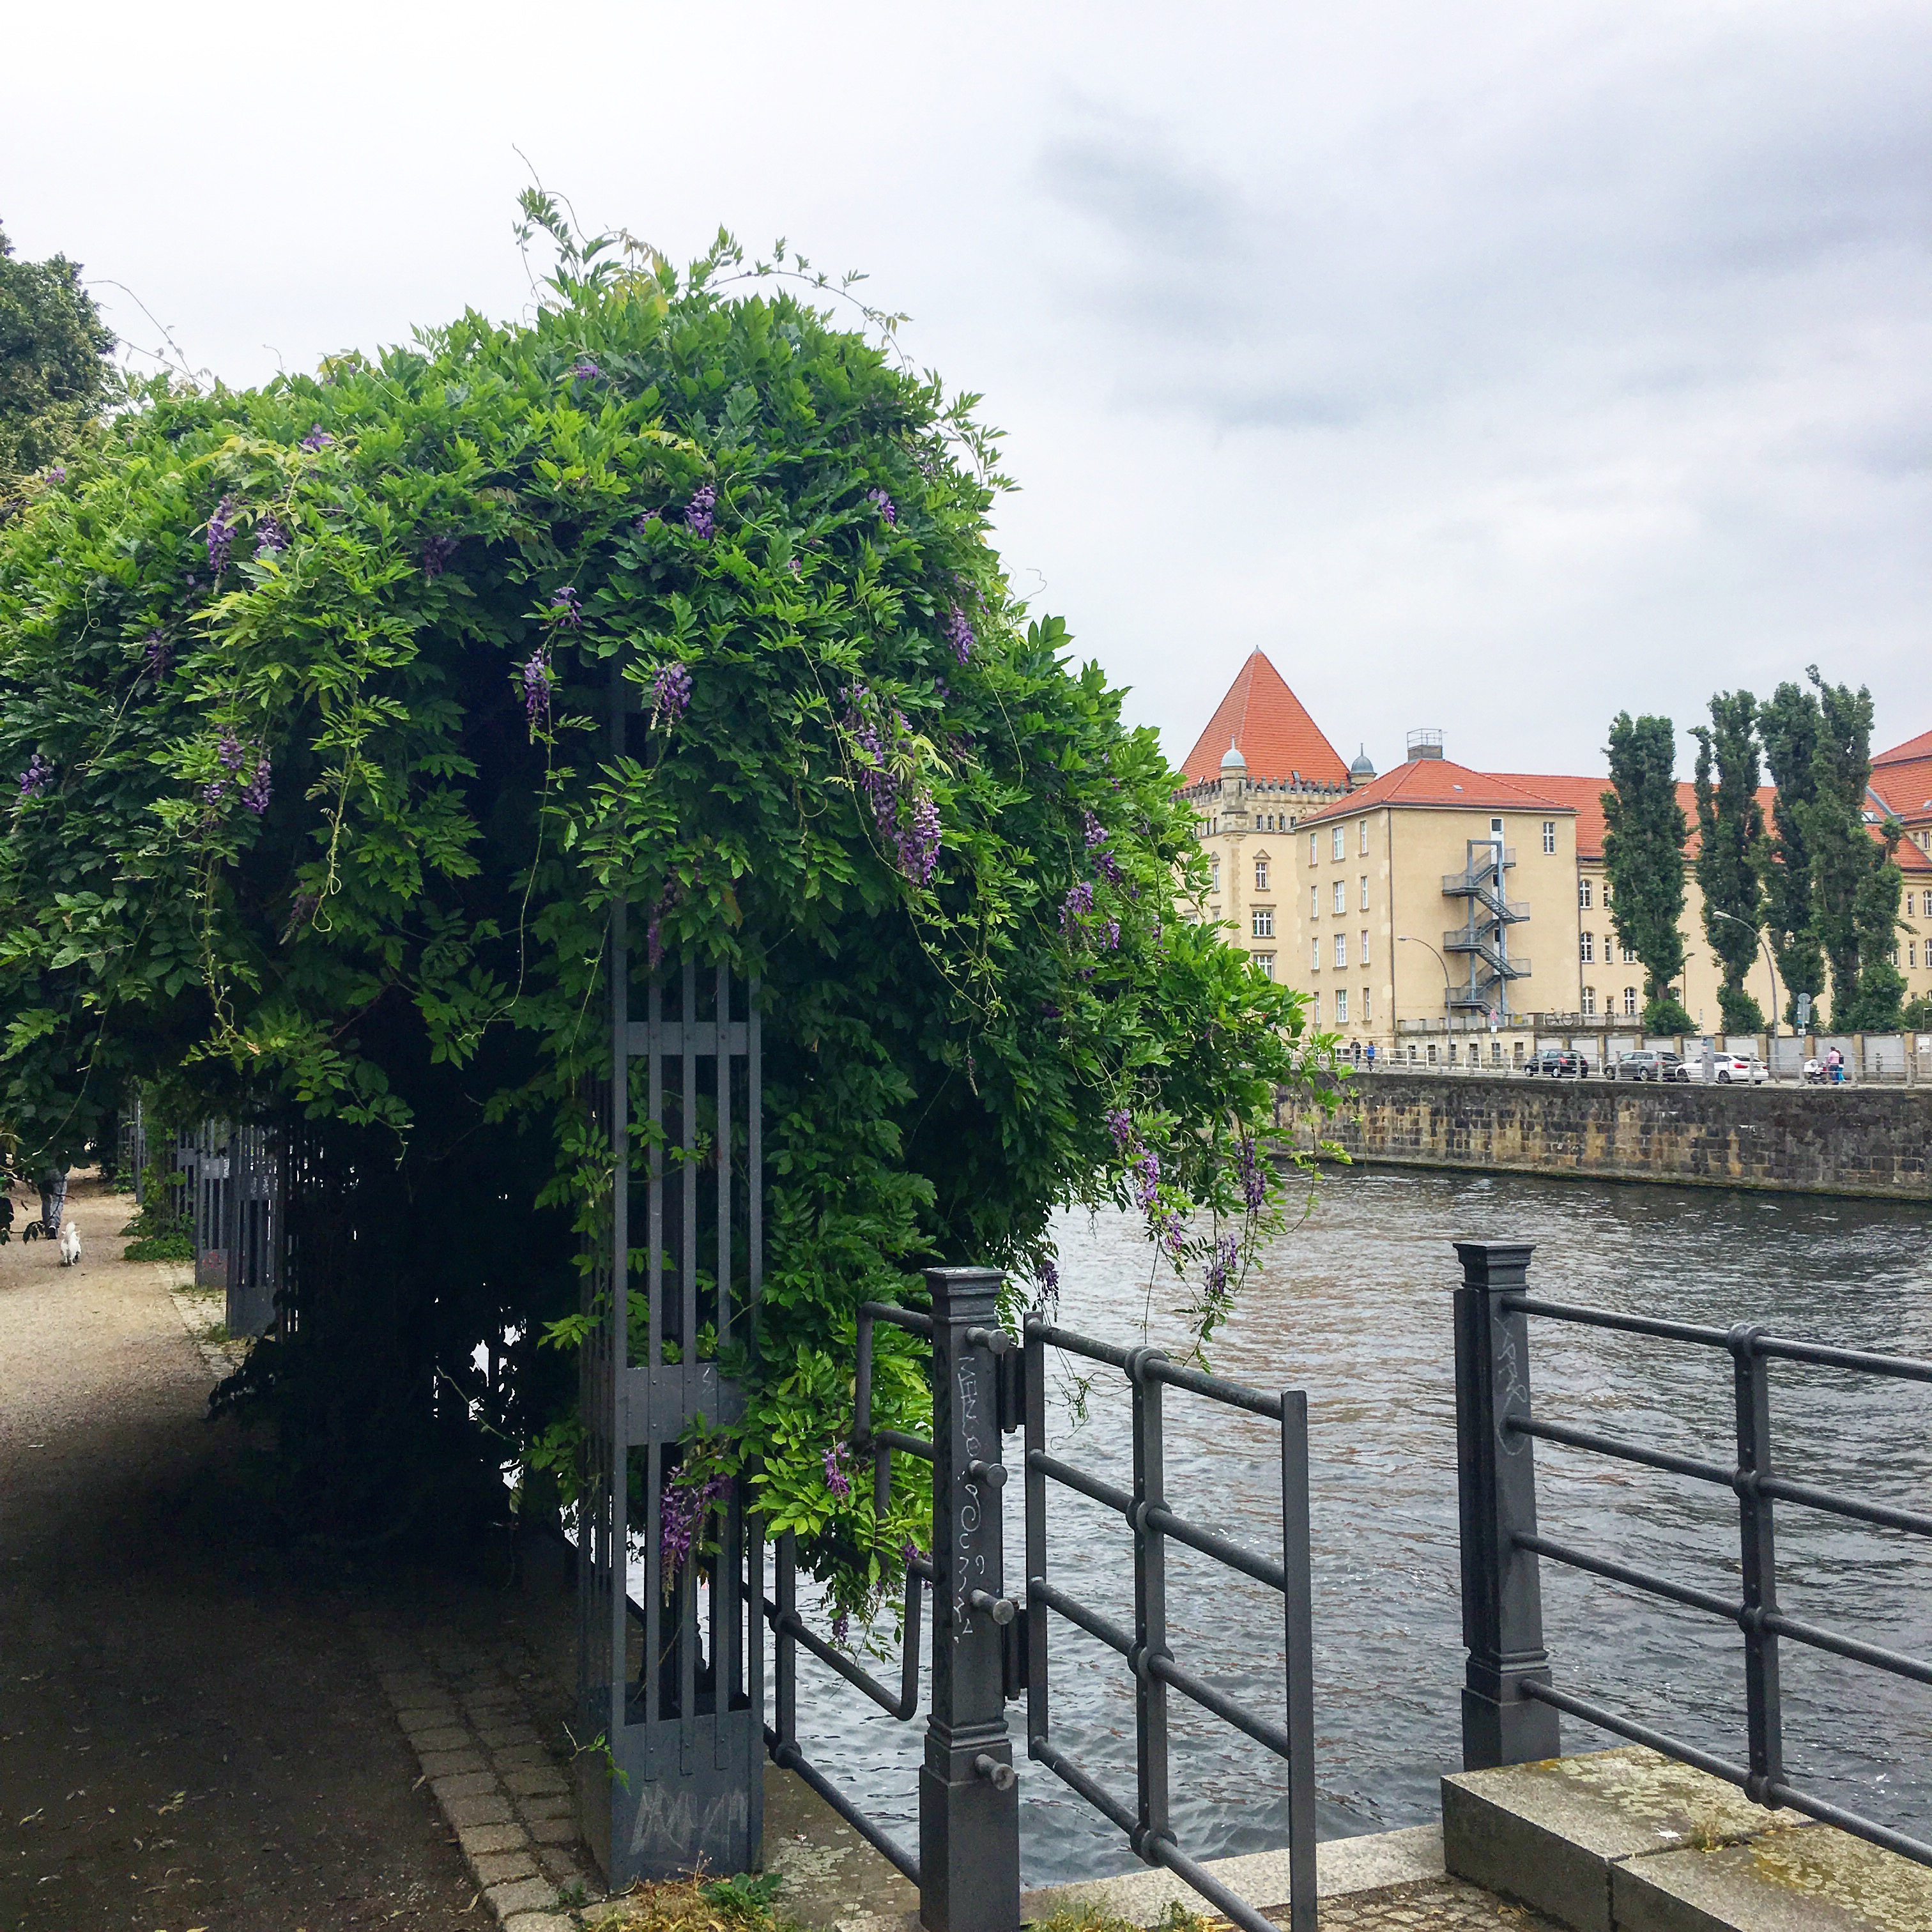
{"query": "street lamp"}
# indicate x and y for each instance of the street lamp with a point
(1448, 1018)
(1764, 946)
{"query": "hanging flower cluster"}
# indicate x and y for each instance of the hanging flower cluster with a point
(697, 513)
(584, 370)
(838, 1484)
(670, 694)
(564, 608)
(36, 777)
(255, 794)
(682, 1512)
(221, 535)
(958, 631)
(436, 552)
(318, 438)
(536, 687)
(269, 534)
(906, 815)
(887, 508)
(156, 654)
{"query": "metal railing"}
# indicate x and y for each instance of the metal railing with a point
(1152, 1524)
(1510, 1702)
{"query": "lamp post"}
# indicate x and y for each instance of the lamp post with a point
(1448, 1020)
(1764, 946)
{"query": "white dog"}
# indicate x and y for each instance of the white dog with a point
(70, 1244)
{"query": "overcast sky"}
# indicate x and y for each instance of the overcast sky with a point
(1493, 367)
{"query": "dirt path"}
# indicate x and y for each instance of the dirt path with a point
(189, 1737)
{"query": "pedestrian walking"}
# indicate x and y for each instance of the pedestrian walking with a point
(53, 1198)
(1835, 1067)
(1372, 1056)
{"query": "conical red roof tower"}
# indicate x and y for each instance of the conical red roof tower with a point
(1275, 733)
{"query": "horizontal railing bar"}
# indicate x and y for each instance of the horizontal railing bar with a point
(1638, 1579)
(795, 1628)
(789, 1757)
(1628, 1452)
(1593, 1713)
(1039, 1590)
(907, 1318)
(1163, 1851)
(1261, 1568)
(897, 1439)
(1068, 1772)
(1885, 1514)
(1855, 1648)
(1785, 1347)
(1078, 1345)
(1091, 1486)
(1216, 1388)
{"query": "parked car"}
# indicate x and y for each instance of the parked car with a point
(1739, 1069)
(1645, 1065)
(1557, 1063)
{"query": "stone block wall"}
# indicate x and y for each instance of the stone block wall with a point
(1873, 1141)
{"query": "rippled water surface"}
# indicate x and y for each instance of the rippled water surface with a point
(1354, 1308)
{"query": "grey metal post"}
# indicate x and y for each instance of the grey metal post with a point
(1763, 1707)
(1149, 1613)
(1502, 1596)
(1298, 1653)
(968, 1807)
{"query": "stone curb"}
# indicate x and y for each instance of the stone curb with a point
(505, 1798)
(200, 1309)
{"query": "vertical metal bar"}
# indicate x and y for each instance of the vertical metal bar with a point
(1298, 1619)
(785, 1649)
(654, 1179)
(1039, 1719)
(754, 1148)
(687, 1658)
(1502, 1593)
(1758, 1553)
(723, 1158)
(755, 1672)
(654, 1591)
(615, 1419)
(1149, 1613)
(688, 1197)
(968, 1808)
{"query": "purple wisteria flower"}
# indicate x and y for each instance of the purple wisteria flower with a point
(644, 522)
(255, 794)
(907, 817)
(221, 534)
(584, 370)
(36, 778)
(1254, 1181)
(214, 791)
(1144, 1179)
(1165, 1226)
(1108, 866)
(156, 654)
(958, 631)
(228, 750)
(1049, 1275)
(841, 1628)
(919, 848)
(318, 438)
(684, 1508)
(58, 473)
(698, 519)
(1113, 932)
(269, 534)
(1095, 833)
(836, 1481)
(671, 693)
(1221, 1265)
(887, 508)
(536, 687)
(1120, 1125)
(564, 609)
(1075, 907)
(436, 552)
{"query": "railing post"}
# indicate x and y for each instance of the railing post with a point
(1149, 1613)
(1502, 1597)
(1758, 1551)
(968, 1808)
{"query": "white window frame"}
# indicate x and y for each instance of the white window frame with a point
(1365, 891)
(1339, 842)
(1548, 836)
(1341, 950)
(1260, 875)
(1341, 1006)
(1586, 948)
(1265, 961)
(1261, 923)
(1365, 838)
(1315, 954)
(1341, 896)
(1365, 945)
(1314, 840)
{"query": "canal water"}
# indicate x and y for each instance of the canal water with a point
(1353, 1306)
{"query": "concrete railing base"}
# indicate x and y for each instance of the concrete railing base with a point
(1627, 1841)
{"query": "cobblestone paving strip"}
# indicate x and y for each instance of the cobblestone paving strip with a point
(1429, 1905)
(203, 1312)
(506, 1796)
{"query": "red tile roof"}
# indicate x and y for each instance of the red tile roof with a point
(1905, 784)
(1438, 783)
(1910, 752)
(1275, 735)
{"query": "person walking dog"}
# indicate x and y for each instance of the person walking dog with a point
(53, 1198)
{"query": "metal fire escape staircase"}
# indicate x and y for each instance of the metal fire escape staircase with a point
(1482, 939)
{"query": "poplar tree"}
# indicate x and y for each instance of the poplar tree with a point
(1788, 723)
(1643, 859)
(53, 374)
(1847, 912)
(1730, 850)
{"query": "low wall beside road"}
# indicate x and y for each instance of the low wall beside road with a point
(1870, 1141)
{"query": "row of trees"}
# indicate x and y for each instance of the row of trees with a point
(1812, 882)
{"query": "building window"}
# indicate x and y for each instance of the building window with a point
(1583, 894)
(1548, 836)
(1432, 1052)
(1341, 948)
(1265, 961)
(1337, 842)
(1630, 1003)
(1341, 896)
(1315, 954)
(1213, 875)
(1589, 1002)
(1341, 1006)
(1588, 946)
(1365, 945)
(1315, 902)
(1312, 856)
(1496, 1053)
(1606, 895)
(1911, 954)
(1365, 891)
(1368, 1011)
(1314, 1009)
(1264, 923)
(1260, 875)
(1365, 838)
(1629, 954)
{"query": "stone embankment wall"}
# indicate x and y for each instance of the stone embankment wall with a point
(1861, 1140)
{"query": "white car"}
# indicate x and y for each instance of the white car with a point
(1731, 1069)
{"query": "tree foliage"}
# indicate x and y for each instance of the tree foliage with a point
(305, 689)
(54, 378)
(1643, 860)
(1730, 850)
(1789, 723)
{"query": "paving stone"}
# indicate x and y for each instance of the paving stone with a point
(440, 1737)
(559, 1831)
(464, 1786)
(553, 1804)
(521, 1757)
(537, 1922)
(537, 1781)
(427, 1717)
(489, 1808)
(515, 1736)
(500, 1867)
(560, 1867)
(524, 1895)
(441, 1764)
(480, 1841)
